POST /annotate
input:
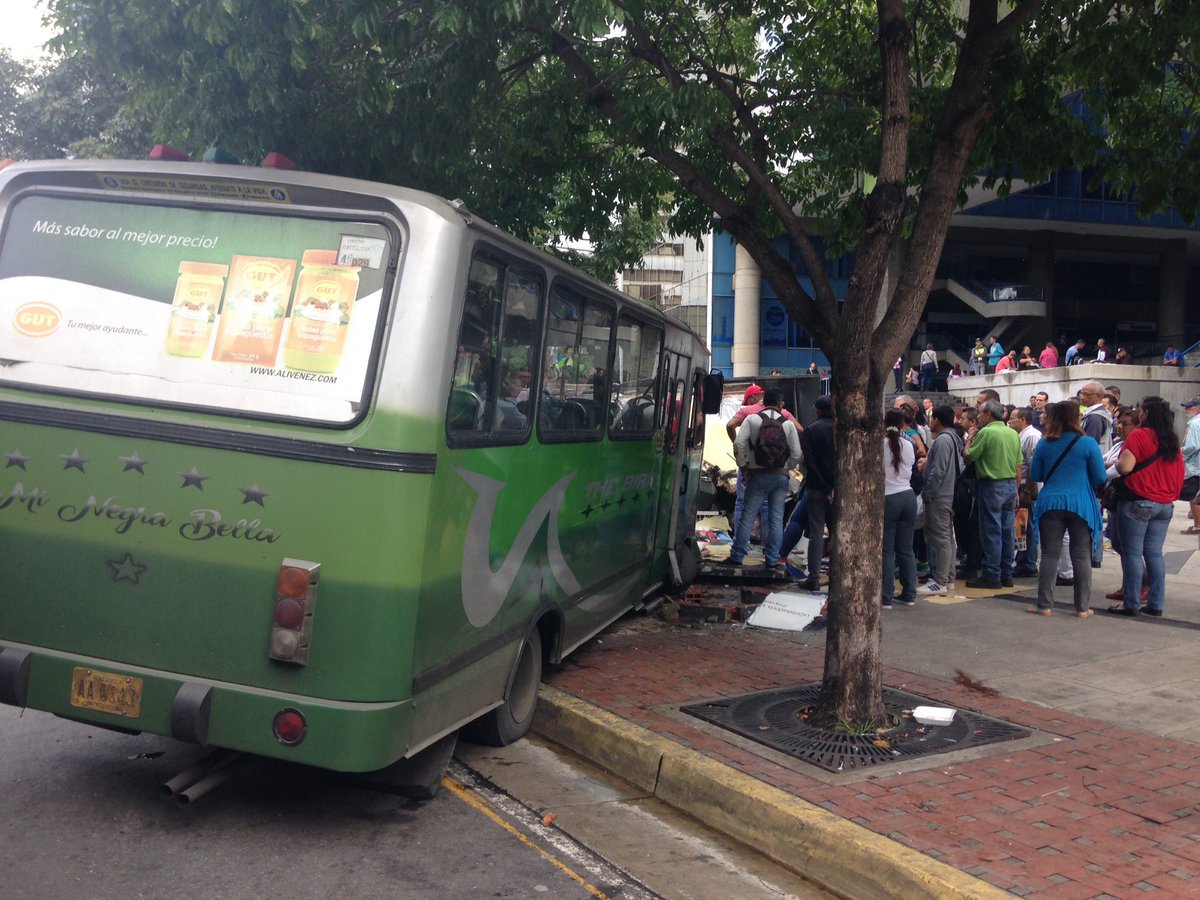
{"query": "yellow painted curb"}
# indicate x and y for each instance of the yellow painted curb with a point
(825, 848)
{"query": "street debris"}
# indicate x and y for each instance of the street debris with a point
(787, 611)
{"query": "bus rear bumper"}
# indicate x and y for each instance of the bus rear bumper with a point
(341, 735)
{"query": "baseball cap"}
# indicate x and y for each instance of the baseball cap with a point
(1187, 404)
(751, 392)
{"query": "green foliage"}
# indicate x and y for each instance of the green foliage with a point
(1144, 101)
(62, 106)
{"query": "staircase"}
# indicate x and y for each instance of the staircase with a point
(997, 302)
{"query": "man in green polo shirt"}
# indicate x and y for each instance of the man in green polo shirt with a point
(996, 452)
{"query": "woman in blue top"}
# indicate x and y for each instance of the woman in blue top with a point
(1070, 467)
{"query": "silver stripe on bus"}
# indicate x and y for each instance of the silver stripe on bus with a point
(197, 436)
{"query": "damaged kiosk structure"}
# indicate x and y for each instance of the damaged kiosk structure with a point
(315, 468)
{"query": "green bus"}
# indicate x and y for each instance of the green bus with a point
(315, 468)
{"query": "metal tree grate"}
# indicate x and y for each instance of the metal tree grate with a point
(773, 718)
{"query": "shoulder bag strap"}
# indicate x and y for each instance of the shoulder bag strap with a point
(1145, 462)
(1061, 457)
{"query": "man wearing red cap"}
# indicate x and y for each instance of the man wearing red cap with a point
(752, 404)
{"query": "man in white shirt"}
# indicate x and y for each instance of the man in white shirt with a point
(1021, 421)
(1191, 462)
(764, 480)
(1096, 421)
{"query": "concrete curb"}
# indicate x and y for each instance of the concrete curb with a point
(827, 849)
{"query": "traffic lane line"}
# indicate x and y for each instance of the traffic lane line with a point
(477, 792)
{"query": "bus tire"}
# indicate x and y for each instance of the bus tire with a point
(510, 721)
(688, 558)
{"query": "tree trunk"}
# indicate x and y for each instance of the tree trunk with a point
(851, 689)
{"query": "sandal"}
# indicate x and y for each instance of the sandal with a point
(1039, 611)
(1191, 529)
(1084, 613)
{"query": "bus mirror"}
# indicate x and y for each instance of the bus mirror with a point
(714, 387)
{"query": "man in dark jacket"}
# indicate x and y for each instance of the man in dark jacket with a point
(820, 479)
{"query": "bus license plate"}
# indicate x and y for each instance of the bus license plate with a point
(119, 695)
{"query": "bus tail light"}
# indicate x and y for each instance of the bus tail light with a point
(275, 160)
(295, 601)
(290, 727)
(168, 153)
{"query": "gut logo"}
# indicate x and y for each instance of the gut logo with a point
(37, 319)
(484, 590)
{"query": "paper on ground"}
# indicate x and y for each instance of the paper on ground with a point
(787, 611)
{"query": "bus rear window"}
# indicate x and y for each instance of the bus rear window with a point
(263, 314)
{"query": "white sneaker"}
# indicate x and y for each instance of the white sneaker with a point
(932, 588)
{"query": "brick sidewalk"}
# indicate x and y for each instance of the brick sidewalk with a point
(1100, 812)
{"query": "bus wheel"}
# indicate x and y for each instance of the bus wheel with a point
(688, 558)
(510, 721)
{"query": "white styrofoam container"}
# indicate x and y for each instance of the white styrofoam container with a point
(933, 715)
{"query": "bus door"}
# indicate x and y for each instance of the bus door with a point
(685, 446)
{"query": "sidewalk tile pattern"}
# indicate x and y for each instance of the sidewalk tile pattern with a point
(1106, 812)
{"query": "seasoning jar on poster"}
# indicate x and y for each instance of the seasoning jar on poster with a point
(194, 308)
(321, 311)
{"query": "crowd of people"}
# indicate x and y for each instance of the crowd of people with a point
(988, 493)
(990, 357)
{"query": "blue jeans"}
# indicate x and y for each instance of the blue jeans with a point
(770, 487)
(997, 504)
(1143, 527)
(796, 526)
(740, 502)
(899, 522)
(928, 370)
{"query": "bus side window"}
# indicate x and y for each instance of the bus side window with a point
(637, 385)
(574, 390)
(494, 368)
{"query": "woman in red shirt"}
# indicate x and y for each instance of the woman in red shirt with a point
(1152, 467)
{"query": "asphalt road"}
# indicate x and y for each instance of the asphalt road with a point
(81, 815)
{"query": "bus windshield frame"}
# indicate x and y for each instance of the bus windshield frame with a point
(268, 313)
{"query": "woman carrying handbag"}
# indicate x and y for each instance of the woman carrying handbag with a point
(1070, 468)
(1151, 467)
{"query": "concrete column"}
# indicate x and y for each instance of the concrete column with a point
(747, 316)
(1172, 294)
(1039, 270)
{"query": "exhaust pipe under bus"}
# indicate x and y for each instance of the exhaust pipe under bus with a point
(197, 780)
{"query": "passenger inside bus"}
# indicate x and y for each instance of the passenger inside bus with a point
(508, 414)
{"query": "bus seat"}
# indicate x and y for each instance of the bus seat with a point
(637, 415)
(466, 410)
(575, 416)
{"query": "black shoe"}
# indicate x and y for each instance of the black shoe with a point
(1147, 611)
(1123, 610)
(984, 583)
(1025, 573)
(1064, 582)
(1006, 582)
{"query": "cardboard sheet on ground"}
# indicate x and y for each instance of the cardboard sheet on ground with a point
(787, 611)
